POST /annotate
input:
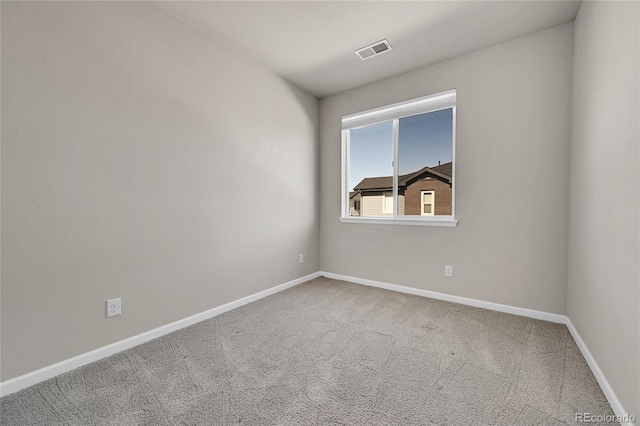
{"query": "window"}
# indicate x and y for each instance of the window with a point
(387, 202)
(398, 159)
(428, 201)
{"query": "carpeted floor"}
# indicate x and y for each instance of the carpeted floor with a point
(330, 352)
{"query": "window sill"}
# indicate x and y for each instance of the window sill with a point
(448, 222)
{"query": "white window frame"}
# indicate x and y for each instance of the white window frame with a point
(432, 103)
(433, 203)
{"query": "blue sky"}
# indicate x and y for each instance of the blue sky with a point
(424, 140)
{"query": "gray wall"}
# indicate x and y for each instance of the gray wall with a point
(143, 160)
(513, 131)
(604, 280)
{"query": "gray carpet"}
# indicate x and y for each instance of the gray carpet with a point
(330, 352)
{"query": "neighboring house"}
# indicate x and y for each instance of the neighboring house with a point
(426, 192)
(355, 203)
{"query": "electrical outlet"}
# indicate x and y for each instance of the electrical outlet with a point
(301, 258)
(114, 307)
(448, 271)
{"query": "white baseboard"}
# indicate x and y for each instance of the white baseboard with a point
(615, 403)
(524, 312)
(34, 377)
(21, 382)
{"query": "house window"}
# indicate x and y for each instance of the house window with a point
(398, 158)
(428, 201)
(387, 202)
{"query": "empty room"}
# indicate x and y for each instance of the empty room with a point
(320, 212)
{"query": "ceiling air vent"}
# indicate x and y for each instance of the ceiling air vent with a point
(374, 49)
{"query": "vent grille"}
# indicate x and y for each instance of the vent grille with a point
(374, 49)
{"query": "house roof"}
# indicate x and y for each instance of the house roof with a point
(442, 172)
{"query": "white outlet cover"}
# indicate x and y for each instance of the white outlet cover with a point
(114, 307)
(301, 258)
(448, 271)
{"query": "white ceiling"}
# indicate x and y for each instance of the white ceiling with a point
(311, 43)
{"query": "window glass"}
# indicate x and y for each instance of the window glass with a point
(370, 169)
(425, 163)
